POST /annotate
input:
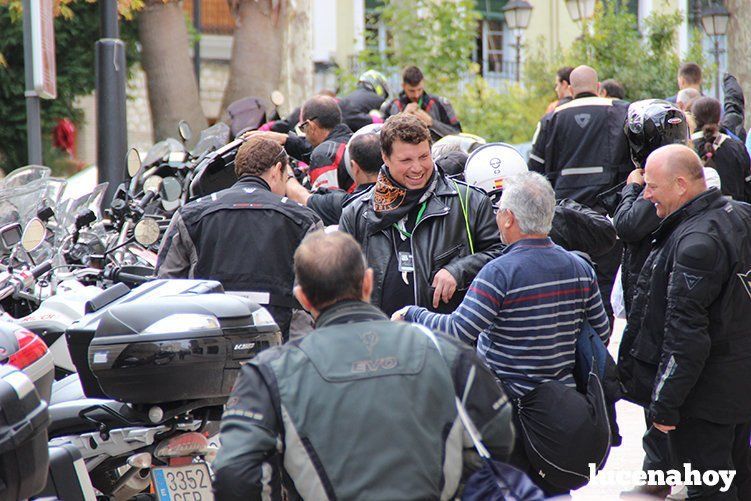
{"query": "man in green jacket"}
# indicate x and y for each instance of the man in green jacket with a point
(361, 408)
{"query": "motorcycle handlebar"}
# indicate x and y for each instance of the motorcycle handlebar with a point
(41, 269)
(147, 198)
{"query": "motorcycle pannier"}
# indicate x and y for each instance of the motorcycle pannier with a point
(23, 436)
(177, 348)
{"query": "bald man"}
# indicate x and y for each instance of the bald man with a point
(582, 150)
(686, 349)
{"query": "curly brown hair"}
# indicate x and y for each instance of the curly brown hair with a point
(405, 128)
(257, 155)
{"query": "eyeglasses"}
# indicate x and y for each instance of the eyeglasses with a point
(304, 125)
(281, 155)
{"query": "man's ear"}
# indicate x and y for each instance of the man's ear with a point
(682, 184)
(367, 285)
(384, 158)
(302, 298)
(355, 168)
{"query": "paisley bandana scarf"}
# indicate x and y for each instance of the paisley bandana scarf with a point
(392, 201)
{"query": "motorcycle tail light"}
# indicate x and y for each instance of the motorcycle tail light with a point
(30, 349)
(186, 444)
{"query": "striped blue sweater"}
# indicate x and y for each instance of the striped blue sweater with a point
(524, 311)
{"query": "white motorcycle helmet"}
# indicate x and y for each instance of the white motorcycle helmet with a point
(368, 129)
(456, 142)
(490, 164)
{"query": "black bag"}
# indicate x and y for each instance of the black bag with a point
(564, 431)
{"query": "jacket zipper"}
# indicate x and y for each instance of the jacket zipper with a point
(412, 249)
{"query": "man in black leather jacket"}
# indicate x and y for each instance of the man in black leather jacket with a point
(686, 350)
(244, 236)
(424, 235)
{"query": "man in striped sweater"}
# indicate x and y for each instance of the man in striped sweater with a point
(524, 310)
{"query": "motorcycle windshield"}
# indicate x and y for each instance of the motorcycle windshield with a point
(160, 152)
(25, 175)
(20, 204)
(211, 139)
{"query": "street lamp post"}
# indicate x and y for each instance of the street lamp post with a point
(580, 10)
(517, 14)
(714, 20)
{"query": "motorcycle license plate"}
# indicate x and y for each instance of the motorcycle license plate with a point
(182, 483)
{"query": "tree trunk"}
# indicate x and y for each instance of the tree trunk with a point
(271, 50)
(170, 80)
(739, 48)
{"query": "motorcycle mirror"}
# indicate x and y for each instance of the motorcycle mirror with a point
(185, 131)
(152, 183)
(146, 232)
(10, 235)
(277, 98)
(133, 161)
(171, 189)
(33, 234)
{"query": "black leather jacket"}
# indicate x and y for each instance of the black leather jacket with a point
(635, 219)
(686, 350)
(439, 240)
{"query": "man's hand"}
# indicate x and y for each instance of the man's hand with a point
(400, 314)
(445, 286)
(663, 427)
(424, 117)
(277, 137)
(411, 108)
(636, 177)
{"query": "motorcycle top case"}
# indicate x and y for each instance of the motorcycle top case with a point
(80, 333)
(24, 456)
(177, 348)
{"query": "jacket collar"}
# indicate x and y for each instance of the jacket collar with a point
(529, 242)
(349, 311)
(339, 131)
(584, 94)
(696, 205)
(248, 180)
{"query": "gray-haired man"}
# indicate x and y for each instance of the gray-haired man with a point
(525, 308)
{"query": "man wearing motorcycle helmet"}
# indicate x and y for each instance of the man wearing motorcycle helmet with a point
(650, 124)
(243, 236)
(575, 226)
(361, 106)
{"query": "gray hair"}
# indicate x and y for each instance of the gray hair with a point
(532, 200)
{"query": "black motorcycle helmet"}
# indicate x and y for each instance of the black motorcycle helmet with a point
(652, 123)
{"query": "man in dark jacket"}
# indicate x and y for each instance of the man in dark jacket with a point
(434, 111)
(425, 236)
(243, 236)
(582, 150)
(323, 146)
(361, 106)
(360, 408)
(686, 349)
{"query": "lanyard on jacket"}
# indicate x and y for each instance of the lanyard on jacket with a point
(419, 217)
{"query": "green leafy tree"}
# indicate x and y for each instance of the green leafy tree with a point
(436, 36)
(76, 31)
(646, 63)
